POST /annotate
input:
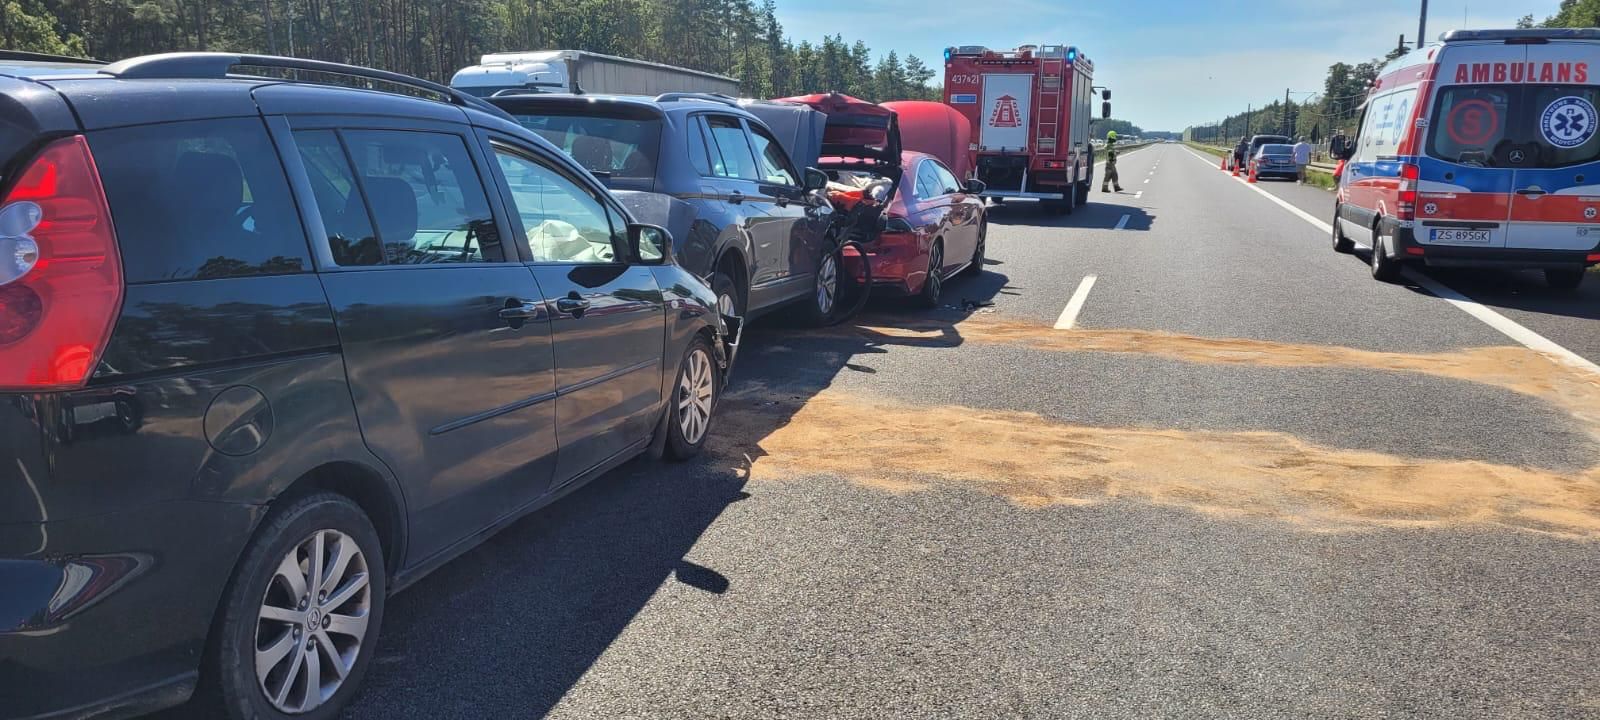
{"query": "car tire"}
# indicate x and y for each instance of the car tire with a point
(355, 580)
(1341, 243)
(1384, 268)
(975, 267)
(1564, 279)
(1083, 191)
(727, 294)
(824, 299)
(693, 403)
(933, 284)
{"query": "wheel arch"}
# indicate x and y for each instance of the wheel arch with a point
(733, 261)
(370, 490)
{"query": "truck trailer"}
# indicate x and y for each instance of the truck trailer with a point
(577, 71)
(1030, 113)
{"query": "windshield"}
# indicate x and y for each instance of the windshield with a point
(1277, 150)
(1531, 126)
(614, 149)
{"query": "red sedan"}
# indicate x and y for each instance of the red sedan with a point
(934, 228)
(933, 224)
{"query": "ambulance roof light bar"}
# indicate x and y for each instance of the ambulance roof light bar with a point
(1522, 35)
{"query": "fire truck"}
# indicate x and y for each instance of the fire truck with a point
(1030, 113)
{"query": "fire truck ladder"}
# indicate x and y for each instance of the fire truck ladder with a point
(1050, 82)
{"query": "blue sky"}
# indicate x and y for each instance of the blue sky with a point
(1169, 63)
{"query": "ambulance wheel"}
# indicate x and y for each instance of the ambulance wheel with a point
(1384, 268)
(1341, 243)
(1564, 279)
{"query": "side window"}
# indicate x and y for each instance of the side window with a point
(775, 165)
(947, 179)
(928, 183)
(730, 152)
(344, 213)
(199, 200)
(1364, 152)
(425, 198)
(561, 221)
(699, 154)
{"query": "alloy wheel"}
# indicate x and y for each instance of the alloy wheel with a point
(827, 284)
(696, 392)
(312, 621)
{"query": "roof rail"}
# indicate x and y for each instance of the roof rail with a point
(708, 97)
(214, 65)
(46, 57)
(518, 91)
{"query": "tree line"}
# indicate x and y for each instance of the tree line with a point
(434, 38)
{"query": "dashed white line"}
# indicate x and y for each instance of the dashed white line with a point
(1069, 315)
(1147, 180)
(1506, 326)
(1123, 222)
(1138, 195)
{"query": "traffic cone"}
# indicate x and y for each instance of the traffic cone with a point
(1223, 166)
(1252, 177)
(1236, 171)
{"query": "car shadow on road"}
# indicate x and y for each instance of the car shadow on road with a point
(508, 629)
(1524, 290)
(1094, 216)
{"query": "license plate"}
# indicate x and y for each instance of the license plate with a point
(1459, 236)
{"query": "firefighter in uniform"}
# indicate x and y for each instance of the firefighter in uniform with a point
(1111, 163)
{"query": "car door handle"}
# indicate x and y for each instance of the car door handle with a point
(736, 197)
(520, 310)
(574, 306)
(1531, 191)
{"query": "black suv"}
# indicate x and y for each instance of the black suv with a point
(745, 218)
(272, 349)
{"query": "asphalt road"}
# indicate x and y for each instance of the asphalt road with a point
(1248, 481)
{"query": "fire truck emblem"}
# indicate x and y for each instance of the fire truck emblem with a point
(1005, 113)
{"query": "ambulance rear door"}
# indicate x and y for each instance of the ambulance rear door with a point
(1556, 150)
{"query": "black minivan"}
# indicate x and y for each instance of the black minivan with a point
(272, 349)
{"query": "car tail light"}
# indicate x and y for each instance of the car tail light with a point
(1414, 250)
(1406, 209)
(1594, 258)
(60, 273)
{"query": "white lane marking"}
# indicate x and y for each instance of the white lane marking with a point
(1147, 180)
(1123, 222)
(1506, 326)
(1138, 195)
(1069, 315)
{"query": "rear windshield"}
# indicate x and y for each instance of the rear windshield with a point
(1277, 149)
(619, 151)
(1268, 139)
(1532, 126)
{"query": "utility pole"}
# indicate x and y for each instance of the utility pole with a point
(1422, 25)
(1248, 111)
(1287, 128)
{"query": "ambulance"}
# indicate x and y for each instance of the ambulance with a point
(1480, 151)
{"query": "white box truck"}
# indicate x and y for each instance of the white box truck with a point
(570, 71)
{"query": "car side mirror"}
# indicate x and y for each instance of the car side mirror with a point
(649, 244)
(815, 179)
(975, 186)
(1105, 111)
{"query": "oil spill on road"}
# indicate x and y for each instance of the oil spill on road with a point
(1037, 461)
(1512, 368)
